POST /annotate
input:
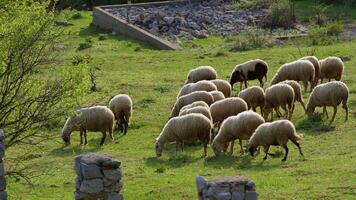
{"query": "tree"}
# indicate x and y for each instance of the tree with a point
(32, 90)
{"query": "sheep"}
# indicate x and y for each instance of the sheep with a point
(250, 70)
(223, 86)
(279, 95)
(254, 97)
(198, 109)
(190, 98)
(121, 106)
(198, 86)
(225, 108)
(195, 104)
(300, 70)
(275, 133)
(239, 127)
(187, 128)
(96, 118)
(201, 73)
(329, 94)
(314, 60)
(217, 95)
(331, 67)
(297, 92)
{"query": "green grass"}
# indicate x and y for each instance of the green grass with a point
(152, 78)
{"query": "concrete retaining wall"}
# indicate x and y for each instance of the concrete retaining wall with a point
(105, 20)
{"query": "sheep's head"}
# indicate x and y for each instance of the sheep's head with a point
(266, 111)
(217, 148)
(310, 110)
(252, 149)
(159, 148)
(67, 130)
(236, 76)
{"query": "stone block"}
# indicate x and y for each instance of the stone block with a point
(2, 184)
(90, 171)
(238, 195)
(3, 195)
(93, 186)
(251, 195)
(115, 196)
(2, 171)
(114, 174)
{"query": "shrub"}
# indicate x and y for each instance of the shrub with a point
(334, 28)
(102, 37)
(251, 39)
(251, 4)
(280, 14)
(319, 16)
(76, 15)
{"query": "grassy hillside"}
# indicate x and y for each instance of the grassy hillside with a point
(152, 78)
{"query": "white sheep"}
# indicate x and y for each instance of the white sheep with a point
(254, 97)
(316, 64)
(187, 128)
(223, 86)
(297, 92)
(276, 133)
(217, 95)
(279, 95)
(121, 106)
(250, 70)
(198, 86)
(225, 108)
(196, 104)
(198, 109)
(190, 98)
(331, 67)
(240, 127)
(300, 70)
(96, 118)
(201, 73)
(329, 94)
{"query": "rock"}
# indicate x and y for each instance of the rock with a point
(2, 184)
(113, 175)
(62, 22)
(238, 195)
(93, 186)
(251, 195)
(2, 171)
(91, 171)
(2, 135)
(168, 20)
(3, 195)
(115, 196)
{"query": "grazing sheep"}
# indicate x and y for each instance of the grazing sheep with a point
(250, 70)
(196, 104)
(187, 128)
(121, 106)
(316, 64)
(227, 107)
(279, 95)
(300, 70)
(223, 86)
(190, 98)
(239, 127)
(198, 86)
(198, 109)
(254, 97)
(329, 94)
(201, 73)
(96, 118)
(331, 67)
(217, 95)
(297, 92)
(276, 133)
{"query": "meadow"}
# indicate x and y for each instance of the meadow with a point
(153, 78)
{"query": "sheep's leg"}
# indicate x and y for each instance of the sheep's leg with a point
(291, 110)
(254, 108)
(245, 81)
(286, 113)
(321, 80)
(325, 112)
(126, 125)
(103, 138)
(241, 86)
(232, 147)
(111, 133)
(177, 147)
(344, 105)
(303, 105)
(205, 149)
(299, 148)
(261, 110)
(85, 138)
(286, 154)
(305, 86)
(265, 149)
(81, 137)
(332, 119)
(311, 85)
(261, 82)
(242, 149)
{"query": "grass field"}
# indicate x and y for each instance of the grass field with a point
(152, 78)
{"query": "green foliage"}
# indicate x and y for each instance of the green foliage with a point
(280, 14)
(76, 15)
(335, 28)
(252, 38)
(251, 4)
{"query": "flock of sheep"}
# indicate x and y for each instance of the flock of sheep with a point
(205, 103)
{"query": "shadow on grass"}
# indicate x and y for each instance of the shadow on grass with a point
(314, 124)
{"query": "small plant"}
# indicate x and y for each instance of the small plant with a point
(251, 4)
(335, 28)
(319, 11)
(85, 45)
(280, 14)
(137, 49)
(252, 39)
(76, 15)
(221, 53)
(92, 78)
(102, 37)
(81, 59)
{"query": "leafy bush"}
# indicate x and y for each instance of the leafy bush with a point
(102, 37)
(251, 39)
(251, 4)
(76, 15)
(335, 28)
(280, 14)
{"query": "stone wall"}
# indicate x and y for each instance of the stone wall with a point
(98, 177)
(227, 188)
(3, 194)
